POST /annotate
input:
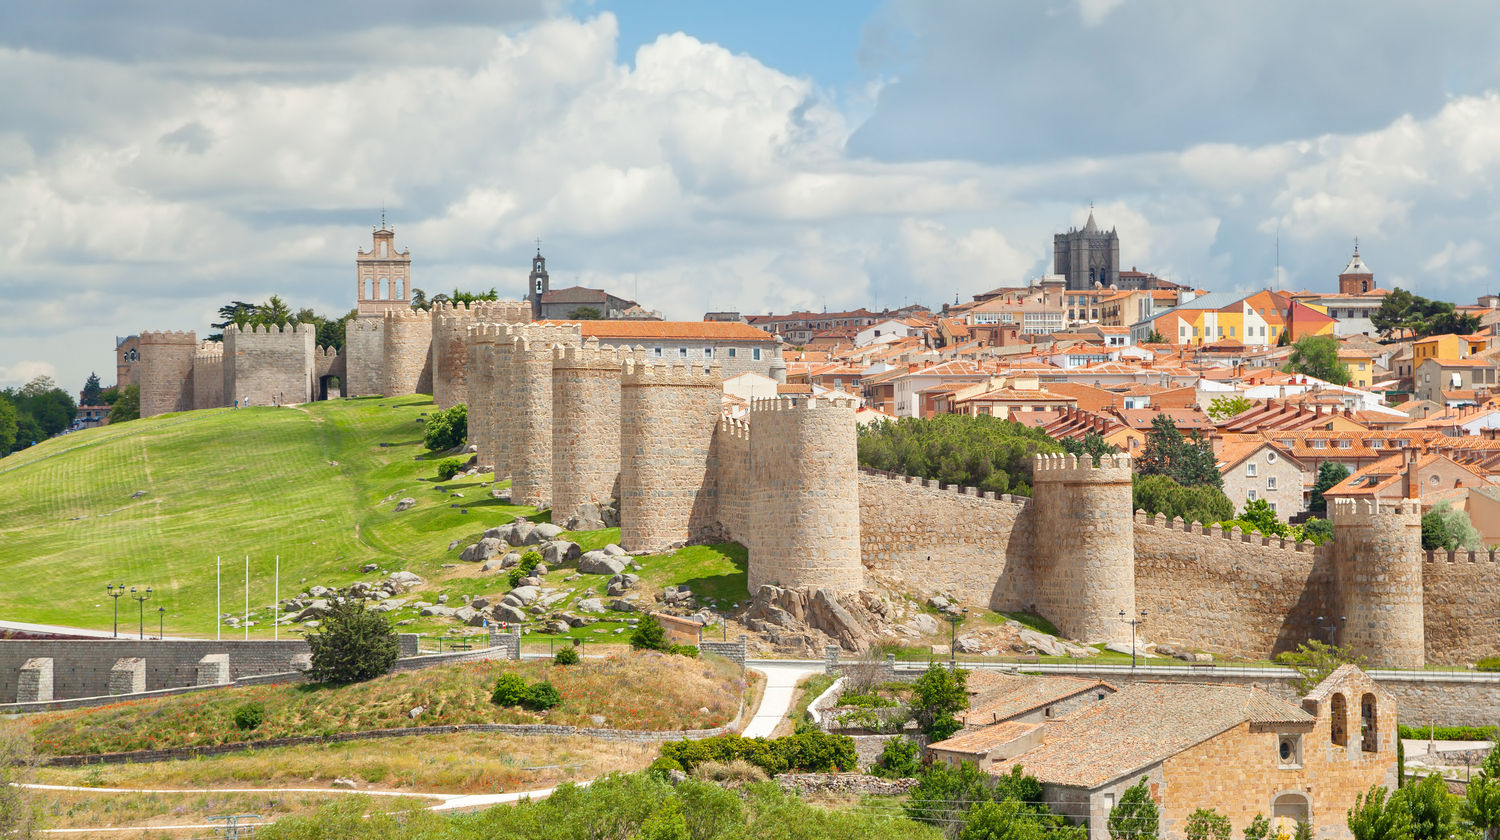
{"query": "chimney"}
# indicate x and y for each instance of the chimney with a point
(1409, 477)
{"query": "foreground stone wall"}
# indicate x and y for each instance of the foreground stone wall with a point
(1228, 593)
(736, 481)
(668, 415)
(166, 371)
(364, 347)
(269, 365)
(1460, 594)
(528, 407)
(81, 668)
(937, 538)
(805, 514)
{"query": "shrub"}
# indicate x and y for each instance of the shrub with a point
(1489, 663)
(937, 694)
(690, 651)
(1207, 824)
(352, 645)
(1161, 494)
(529, 561)
(541, 696)
(510, 689)
(901, 759)
(249, 716)
(812, 751)
(649, 635)
(566, 656)
(868, 700)
(738, 770)
(984, 452)
(1135, 816)
(446, 429)
(662, 766)
(1448, 733)
(448, 468)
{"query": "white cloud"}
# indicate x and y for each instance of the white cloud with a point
(22, 372)
(1093, 12)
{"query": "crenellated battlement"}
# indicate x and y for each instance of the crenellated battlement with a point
(1215, 531)
(734, 429)
(363, 325)
(1348, 511)
(1066, 467)
(270, 329)
(590, 355)
(329, 352)
(169, 337)
(769, 404)
(406, 314)
(209, 349)
(641, 373)
(1491, 556)
(956, 489)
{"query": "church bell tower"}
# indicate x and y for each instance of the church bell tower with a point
(539, 285)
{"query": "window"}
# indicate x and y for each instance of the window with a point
(1273, 505)
(1319, 444)
(656, 351)
(755, 354)
(1250, 470)
(708, 352)
(1291, 807)
(1345, 444)
(1270, 482)
(731, 352)
(1250, 495)
(682, 352)
(1337, 723)
(1369, 736)
(1289, 750)
(1270, 457)
(1377, 443)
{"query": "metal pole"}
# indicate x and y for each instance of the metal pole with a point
(218, 597)
(161, 621)
(247, 597)
(276, 605)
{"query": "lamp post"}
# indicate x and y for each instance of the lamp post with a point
(161, 617)
(954, 619)
(1331, 627)
(115, 591)
(141, 599)
(1133, 622)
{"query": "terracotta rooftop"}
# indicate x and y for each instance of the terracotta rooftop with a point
(981, 741)
(685, 330)
(1012, 694)
(1143, 724)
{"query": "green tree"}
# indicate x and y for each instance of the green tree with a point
(419, 300)
(1092, 444)
(446, 430)
(1314, 661)
(1395, 314)
(985, 452)
(1491, 765)
(9, 426)
(1223, 408)
(128, 406)
(1189, 460)
(901, 758)
(1207, 824)
(1163, 442)
(1481, 805)
(1329, 474)
(1258, 829)
(1317, 530)
(943, 794)
(1285, 339)
(1318, 356)
(91, 390)
(470, 297)
(238, 312)
(1005, 820)
(274, 312)
(352, 645)
(586, 313)
(1303, 831)
(1434, 532)
(649, 635)
(936, 695)
(1160, 494)
(1196, 465)
(1135, 816)
(1155, 337)
(1458, 529)
(1434, 811)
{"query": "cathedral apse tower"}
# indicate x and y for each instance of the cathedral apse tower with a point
(1087, 256)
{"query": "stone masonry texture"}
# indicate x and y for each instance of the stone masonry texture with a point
(83, 668)
(1085, 557)
(585, 427)
(364, 345)
(408, 362)
(166, 371)
(1378, 580)
(269, 365)
(806, 511)
(667, 419)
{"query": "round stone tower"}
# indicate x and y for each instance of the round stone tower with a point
(585, 427)
(166, 371)
(1377, 564)
(450, 324)
(479, 353)
(1083, 545)
(408, 362)
(804, 512)
(528, 427)
(667, 419)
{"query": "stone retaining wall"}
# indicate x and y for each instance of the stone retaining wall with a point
(855, 783)
(81, 668)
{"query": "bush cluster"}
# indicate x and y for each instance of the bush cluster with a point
(446, 430)
(984, 452)
(566, 656)
(901, 759)
(448, 468)
(529, 561)
(511, 689)
(811, 751)
(353, 645)
(1489, 663)
(249, 716)
(1448, 733)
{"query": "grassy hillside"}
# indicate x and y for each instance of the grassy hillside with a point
(644, 690)
(309, 484)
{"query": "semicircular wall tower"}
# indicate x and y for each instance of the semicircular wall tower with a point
(1083, 541)
(1377, 565)
(668, 414)
(166, 371)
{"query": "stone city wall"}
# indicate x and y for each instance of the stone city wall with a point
(585, 427)
(81, 668)
(941, 538)
(364, 347)
(668, 415)
(480, 356)
(735, 481)
(1377, 552)
(166, 371)
(528, 431)
(269, 365)
(805, 514)
(407, 357)
(1225, 592)
(1460, 594)
(1084, 551)
(208, 375)
(329, 362)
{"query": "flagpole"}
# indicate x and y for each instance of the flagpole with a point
(218, 597)
(276, 605)
(247, 597)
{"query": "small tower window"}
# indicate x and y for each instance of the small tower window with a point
(1369, 730)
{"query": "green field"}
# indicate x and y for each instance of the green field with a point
(316, 485)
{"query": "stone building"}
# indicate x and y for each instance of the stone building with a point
(1087, 258)
(1237, 749)
(127, 353)
(736, 348)
(268, 365)
(384, 275)
(1259, 470)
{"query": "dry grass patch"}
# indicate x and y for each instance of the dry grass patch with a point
(644, 690)
(70, 809)
(458, 764)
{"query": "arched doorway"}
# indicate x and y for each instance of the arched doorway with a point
(1338, 720)
(1287, 810)
(330, 387)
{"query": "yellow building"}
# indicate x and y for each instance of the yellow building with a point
(1361, 367)
(1445, 347)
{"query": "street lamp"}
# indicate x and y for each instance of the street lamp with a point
(1133, 622)
(161, 615)
(954, 619)
(115, 591)
(1331, 627)
(141, 600)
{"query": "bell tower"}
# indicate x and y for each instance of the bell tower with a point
(1356, 278)
(539, 283)
(383, 274)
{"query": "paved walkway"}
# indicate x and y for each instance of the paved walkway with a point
(781, 687)
(128, 631)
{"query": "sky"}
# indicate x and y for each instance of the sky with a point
(159, 158)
